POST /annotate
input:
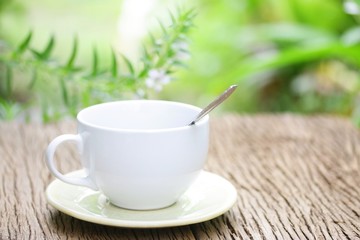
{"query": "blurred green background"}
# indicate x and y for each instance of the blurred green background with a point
(298, 56)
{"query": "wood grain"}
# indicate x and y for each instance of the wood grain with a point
(297, 178)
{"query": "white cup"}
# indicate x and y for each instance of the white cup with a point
(141, 154)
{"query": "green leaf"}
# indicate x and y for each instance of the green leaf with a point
(285, 33)
(24, 44)
(45, 55)
(47, 51)
(33, 79)
(172, 17)
(357, 2)
(162, 26)
(180, 64)
(128, 64)
(70, 62)
(152, 38)
(94, 71)
(36, 54)
(9, 78)
(85, 98)
(114, 70)
(76, 69)
(143, 73)
(291, 56)
(191, 13)
(64, 92)
(9, 110)
(146, 52)
(45, 113)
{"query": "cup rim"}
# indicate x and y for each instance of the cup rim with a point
(201, 122)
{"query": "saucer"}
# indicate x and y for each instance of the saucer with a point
(208, 197)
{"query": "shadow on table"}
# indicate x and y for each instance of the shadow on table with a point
(63, 225)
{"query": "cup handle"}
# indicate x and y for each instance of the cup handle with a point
(50, 151)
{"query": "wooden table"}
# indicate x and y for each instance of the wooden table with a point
(297, 178)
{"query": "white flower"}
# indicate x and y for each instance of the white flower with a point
(157, 79)
(351, 7)
(181, 49)
(180, 45)
(182, 56)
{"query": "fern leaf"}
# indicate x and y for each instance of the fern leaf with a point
(128, 64)
(94, 71)
(172, 17)
(114, 70)
(162, 26)
(24, 44)
(45, 55)
(64, 92)
(70, 62)
(33, 79)
(47, 51)
(9, 78)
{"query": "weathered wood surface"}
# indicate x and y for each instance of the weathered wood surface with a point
(297, 178)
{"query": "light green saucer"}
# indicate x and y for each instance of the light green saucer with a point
(209, 197)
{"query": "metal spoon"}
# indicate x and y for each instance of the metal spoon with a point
(214, 103)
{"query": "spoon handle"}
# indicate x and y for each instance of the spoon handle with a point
(214, 103)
